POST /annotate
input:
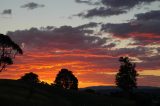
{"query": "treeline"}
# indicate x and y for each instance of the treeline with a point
(64, 79)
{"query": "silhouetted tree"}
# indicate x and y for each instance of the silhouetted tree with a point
(30, 78)
(8, 51)
(65, 79)
(126, 77)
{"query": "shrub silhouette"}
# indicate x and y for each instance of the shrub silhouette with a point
(126, 77)
(65, 79)
(8, 51)
(30, 78)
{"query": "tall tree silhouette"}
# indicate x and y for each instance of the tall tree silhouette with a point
(30, 78)
(65, 79)
(126, 77)
(8, 51)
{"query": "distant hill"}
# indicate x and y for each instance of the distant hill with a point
(18, 93)
(114, 87)
(101, 87)
(110, 89)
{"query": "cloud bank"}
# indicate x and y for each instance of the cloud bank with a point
(111, 7)
(144, 29)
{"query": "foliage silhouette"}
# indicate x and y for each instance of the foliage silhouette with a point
(126, 77)
(30, 78)
(8, 51)
(65, 79)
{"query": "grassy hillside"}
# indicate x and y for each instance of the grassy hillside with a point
(17, 93)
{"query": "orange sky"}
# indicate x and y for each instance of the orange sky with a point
(88, 73)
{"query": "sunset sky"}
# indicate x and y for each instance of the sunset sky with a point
(84, 36)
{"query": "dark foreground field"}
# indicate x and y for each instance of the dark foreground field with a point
(17, 93)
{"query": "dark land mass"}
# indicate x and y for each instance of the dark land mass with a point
(19, 93)
(112, 89)
(142, 95)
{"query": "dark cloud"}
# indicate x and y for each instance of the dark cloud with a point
(65, 37)
(111, 7)
(83, 1)
(32, 5)
(89, 2)
(144, 29)
(88, 25)
(144, 23)
(118, 29)
(88, 28)
(102, 11)
(120, 3)
(7, 12)
(149, 16)
(124, 4)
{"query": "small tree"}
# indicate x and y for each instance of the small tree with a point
(65, 79)
(126, 77)
(30, 78)
(8, 51)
